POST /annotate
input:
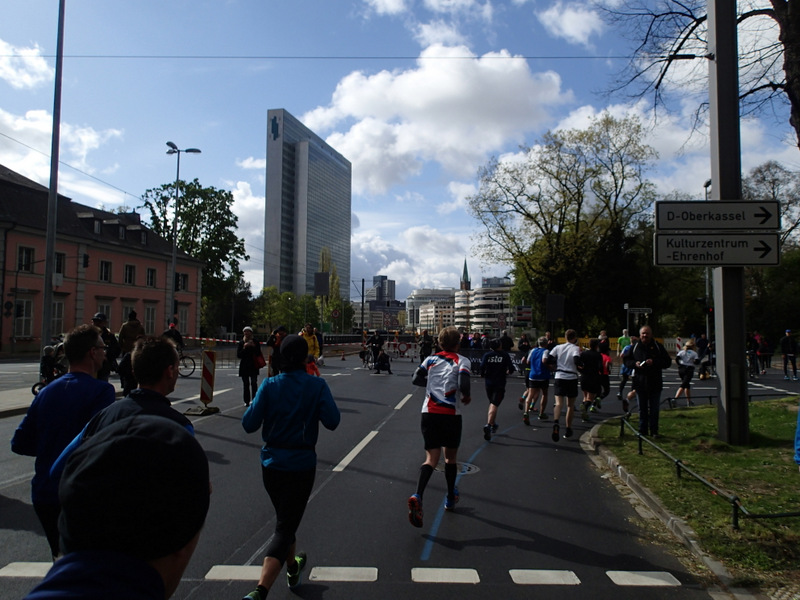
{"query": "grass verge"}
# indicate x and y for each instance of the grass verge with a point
(763, 475)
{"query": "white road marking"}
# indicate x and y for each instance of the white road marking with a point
(354, 452)
(360, 574)
(26, 569)
(543, 577)
(402, 402)
(234, 573)
(429, 575)
(643, 578)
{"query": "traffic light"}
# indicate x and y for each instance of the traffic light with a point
(85, 261)
(710, 311)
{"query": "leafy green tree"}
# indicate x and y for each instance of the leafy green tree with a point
(561, 215)
(206, 230)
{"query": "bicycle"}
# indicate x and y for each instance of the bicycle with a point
(367, 359)
(186, 365)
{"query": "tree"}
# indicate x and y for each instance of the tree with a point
(548, 211)
(666, 31)
(206, 230)
(772, 181)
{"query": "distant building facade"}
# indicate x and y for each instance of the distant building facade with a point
(104, 262)
(308, 206)
(487, 308)
(421, 297)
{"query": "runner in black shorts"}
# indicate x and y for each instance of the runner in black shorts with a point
(495, 365)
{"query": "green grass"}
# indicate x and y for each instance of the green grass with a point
(762, 474)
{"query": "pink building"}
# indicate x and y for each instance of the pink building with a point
(105, 262)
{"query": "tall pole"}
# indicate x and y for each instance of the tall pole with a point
(170, 311)
(726, 176)
(52, 196)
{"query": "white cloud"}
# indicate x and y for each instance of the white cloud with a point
(572, 22)
(23, 68)
(438, 32)
(449, 110)
(257, 164)
(459, 192)
(387, 7)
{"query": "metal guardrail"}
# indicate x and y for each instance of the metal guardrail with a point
(737, 507)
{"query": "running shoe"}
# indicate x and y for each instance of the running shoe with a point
(593, 408)
(450, 503)
(786, 378)
(520, 404)
(568, 432)
(584, 414)
(556, 432)
(415, 510)
(543, 416)
(487, 432)
(598, 404)
(255, 595)
(494, 427)
(293, 579)
(794, 378)
(526, 418)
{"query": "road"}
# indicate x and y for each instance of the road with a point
(535, 517)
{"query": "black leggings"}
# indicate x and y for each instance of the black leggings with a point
(249, 384)
(289, 492)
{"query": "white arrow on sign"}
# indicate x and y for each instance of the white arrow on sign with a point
(716, 249)
(717, 215)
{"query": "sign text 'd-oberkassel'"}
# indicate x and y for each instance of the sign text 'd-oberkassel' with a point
(717, 215)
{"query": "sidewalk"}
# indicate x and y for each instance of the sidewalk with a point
(15, 402)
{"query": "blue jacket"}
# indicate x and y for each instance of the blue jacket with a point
(797, 441)
(289, 408)
(58, 413)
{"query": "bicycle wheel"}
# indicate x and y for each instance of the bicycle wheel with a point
(186, 366)
(36, 387)
(370, 363)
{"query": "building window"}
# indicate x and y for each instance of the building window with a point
(122, 232)
(143, 239)
(183, 318)
(25, 260)
(23, 323)
(57, 324)
(181, 282)
(130, 275)
(106, 310)
(98, 226)
(126, 310)
(105, 271)
(150, 279)
(61, 262)
(150, 320)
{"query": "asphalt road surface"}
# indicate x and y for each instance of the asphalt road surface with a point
(536, 518)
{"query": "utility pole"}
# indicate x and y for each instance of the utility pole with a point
(726, 176)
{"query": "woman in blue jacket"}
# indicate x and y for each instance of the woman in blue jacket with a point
(288, 409)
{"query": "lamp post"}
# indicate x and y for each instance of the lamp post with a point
(173, 149)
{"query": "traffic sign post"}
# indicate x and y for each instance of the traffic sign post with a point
(693, 249)
(741, 215)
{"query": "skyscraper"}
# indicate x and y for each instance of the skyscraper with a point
(307, 206)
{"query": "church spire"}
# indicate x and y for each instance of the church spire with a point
(465, 282)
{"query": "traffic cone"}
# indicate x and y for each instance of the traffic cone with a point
(342, 354)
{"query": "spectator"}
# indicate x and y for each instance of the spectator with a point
(58, 413)
(130, 331)
(134, 497)
(506, 342)
(113, 349)
(274, 342)
(789, 349)
(383, 363)
(48, 370)
(686, 360)
(649, 359)
(173, 334)
(248, 352)
(425, 345)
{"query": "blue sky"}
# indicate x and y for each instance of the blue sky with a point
(417, 94)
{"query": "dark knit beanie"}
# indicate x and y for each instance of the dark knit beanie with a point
(139, 486)
(294, 350)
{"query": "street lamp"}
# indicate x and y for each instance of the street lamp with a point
(707, 185)
(173, 149)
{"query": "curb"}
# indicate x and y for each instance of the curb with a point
(604, 458)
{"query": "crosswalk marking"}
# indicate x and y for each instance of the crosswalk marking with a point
(26, 569)
(362, 574)
(37, 570)
(642, 578)
(543, 577)
(433, 575)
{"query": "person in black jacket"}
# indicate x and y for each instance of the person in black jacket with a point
(246, 352)
(648, 358)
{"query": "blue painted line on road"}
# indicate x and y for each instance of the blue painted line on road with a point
(428, 548)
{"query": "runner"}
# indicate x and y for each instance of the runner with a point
(444, 376)
(538, 381)
(495, 365)
(565, 387)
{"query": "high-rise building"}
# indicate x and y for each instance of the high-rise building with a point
(307, 206)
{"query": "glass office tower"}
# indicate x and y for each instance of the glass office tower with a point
(307, 206)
